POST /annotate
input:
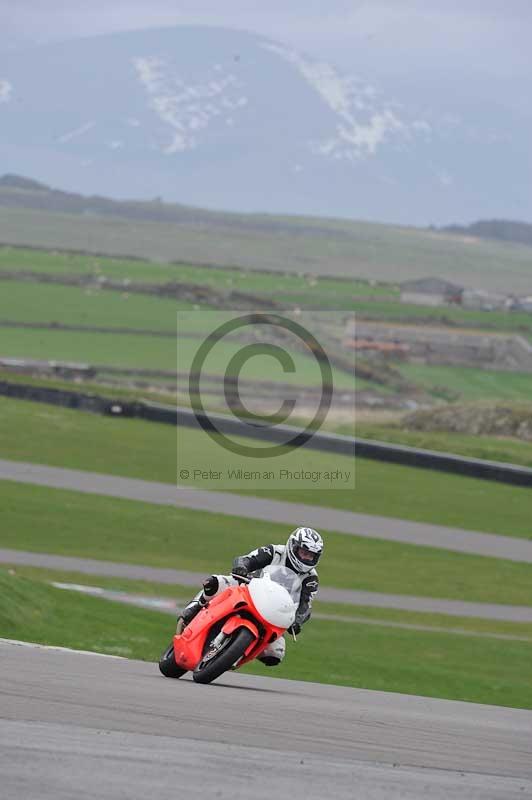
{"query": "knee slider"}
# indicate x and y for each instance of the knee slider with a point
(270, 661)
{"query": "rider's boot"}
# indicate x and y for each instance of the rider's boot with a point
(210, 587)
(190, 611)
(193, 608)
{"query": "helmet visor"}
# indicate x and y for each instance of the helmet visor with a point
(305, 555)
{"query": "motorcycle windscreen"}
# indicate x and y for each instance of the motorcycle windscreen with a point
(273, 602)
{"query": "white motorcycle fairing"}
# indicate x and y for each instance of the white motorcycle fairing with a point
(272, 601)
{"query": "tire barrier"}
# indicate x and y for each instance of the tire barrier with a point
(97, 404)
(327, 442)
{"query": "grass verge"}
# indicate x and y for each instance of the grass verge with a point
(159, 392)
(182, 594)
(469, 383)
(386, 659)
(490, 448)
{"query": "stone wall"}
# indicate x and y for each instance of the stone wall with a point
(462, 348)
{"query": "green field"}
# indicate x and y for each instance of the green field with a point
(45, 303)
(471, 384)
(318, 292)
(118, 350)
(351, 654)
(48, 304)
(467, 384)
(137, 351)
(495, 321)
(335, 247)
(23, 301)
(284, 287)
(65, 438)
(76, 524)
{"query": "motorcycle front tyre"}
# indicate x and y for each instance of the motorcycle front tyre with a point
(206, 673)
(167, 664)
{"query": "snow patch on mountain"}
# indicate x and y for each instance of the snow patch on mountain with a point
(6, 91)
(362, 126)
(361, 139)
(187, 109)
(341, 93)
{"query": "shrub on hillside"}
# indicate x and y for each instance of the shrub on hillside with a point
(474, 419)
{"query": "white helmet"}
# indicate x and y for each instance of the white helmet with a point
(304, 547)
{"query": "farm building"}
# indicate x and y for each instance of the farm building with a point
(480, 300)
(523, 304)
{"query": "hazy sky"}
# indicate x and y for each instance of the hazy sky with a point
(492, 35)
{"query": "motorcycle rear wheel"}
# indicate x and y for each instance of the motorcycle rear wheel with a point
(167, 664)
(224, 660)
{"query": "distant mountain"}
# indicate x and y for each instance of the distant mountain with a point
(226, 119)
(19, 182)
(502, 229)
(17, 191)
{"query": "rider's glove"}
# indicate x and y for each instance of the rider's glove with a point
(210, 586)
(240, 568)
(295, 628)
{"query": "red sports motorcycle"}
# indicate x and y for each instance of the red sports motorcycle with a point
(232, 629)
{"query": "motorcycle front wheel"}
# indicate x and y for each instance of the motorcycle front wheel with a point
(167, 664)
(208, 670)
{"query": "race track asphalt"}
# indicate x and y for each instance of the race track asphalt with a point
(82, 726)
(292, 514)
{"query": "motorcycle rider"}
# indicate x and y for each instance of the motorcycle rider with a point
(300, 555)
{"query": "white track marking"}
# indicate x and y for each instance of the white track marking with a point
(37, 646)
